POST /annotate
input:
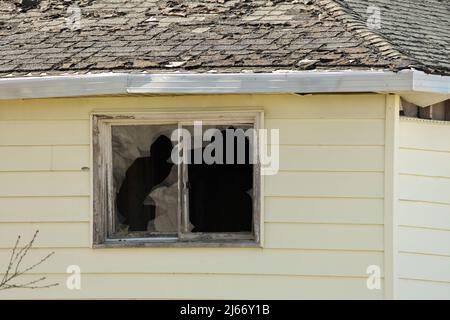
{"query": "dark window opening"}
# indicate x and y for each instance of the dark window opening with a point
(220, 198)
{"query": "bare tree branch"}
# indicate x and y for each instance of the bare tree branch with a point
(14, 267)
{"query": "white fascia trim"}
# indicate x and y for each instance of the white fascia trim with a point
(63, 86)
(212, 83)
(423, 82)
(282, 82)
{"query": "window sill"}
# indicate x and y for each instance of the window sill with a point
(176, 244)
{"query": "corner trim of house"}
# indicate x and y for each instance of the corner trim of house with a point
(391, 197)
(223, 83)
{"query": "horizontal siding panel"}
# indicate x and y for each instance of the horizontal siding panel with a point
(25, 158)
(70, 157)
(311, 106)
(420, 290)
(43, 158)
(424, 267)
(321, 236)
(47, 109)
(344, 158)
(50, 234)
(35, 209)
(299, 236)
(421, 214)
(425, 135)
(14, 184)
(204, 260)
(425, 163)
(188, 286)
(328, 132)
(44, 132)
(360, 106)
(424, 241)
(323, 210)
(424, 188)
(81, 108)
(325, 184)
(301, 158)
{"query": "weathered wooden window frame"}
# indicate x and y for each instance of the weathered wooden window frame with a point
(103, 197)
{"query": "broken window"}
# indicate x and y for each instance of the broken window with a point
(176, 180)
(145, 180)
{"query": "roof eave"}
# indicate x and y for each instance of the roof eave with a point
(223, 83)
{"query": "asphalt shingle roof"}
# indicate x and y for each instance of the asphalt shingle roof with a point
(40, 36)
(420, 29)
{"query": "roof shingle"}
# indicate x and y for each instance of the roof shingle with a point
(213, 35)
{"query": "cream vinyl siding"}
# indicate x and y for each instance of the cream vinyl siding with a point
(424, 209)
(323, 211)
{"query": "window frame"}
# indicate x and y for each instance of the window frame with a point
(103, 189)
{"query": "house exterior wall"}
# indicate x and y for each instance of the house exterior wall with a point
(323, 212)
(424, 209)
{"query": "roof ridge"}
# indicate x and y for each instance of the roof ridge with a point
(353, 22)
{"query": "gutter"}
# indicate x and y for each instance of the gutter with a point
(406, 81)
